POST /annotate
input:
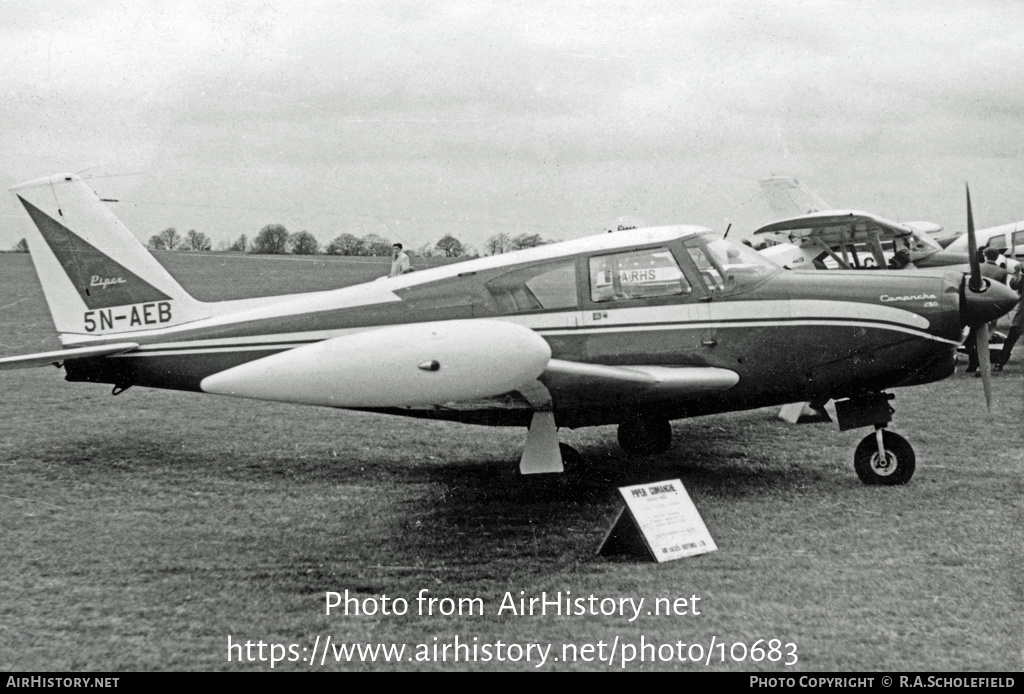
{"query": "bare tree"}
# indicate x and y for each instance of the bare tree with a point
(527, 241)
(346, 244)
(497, 244)
(376, 245)
(450, 246)
(171, 238)
(197, 241)
(20, 247)
(240, 244)
(303, 243)
(272, 239)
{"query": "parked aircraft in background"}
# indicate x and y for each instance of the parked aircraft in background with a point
(636, 328)
(1008, 238)
(820, 236)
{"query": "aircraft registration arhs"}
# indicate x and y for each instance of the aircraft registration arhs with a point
(634, 328)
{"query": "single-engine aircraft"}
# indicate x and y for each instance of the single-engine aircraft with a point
(1008, 238)
(852, 239)
(635, 328)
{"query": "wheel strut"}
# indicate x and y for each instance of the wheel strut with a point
(879, 441)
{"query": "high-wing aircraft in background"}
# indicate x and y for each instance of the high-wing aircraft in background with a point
(820, 237)
(852, 239)
(1008, 238)
(635, 328)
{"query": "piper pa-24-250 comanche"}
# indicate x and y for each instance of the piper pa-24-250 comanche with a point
(634, 328)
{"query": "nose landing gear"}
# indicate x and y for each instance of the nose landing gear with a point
(881, 458)
(884, 458)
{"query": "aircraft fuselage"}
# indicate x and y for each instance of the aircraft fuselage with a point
(788, 335)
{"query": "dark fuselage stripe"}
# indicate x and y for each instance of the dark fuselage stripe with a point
(165, 349)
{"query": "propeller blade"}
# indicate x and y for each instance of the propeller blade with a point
(981, 338)
(976, 282)
(982, 301)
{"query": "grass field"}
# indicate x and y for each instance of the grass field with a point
(139, 531)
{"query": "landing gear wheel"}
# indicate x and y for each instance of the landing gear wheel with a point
(896, 468)
(645, 436)
(571, 458)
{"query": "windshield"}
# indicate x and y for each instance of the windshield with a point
(727, 266)
(922, 243)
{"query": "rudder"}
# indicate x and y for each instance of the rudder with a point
(788, 196)
(98, 279)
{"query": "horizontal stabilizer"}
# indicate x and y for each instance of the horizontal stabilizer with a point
(27, 361)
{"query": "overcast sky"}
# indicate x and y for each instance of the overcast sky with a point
(416, 119)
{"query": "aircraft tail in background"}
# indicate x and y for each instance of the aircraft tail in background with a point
(98, 278)
(788, 197)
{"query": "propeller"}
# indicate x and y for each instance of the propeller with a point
(977, 281)
(982, 301)
(976, 284)
(981, 339)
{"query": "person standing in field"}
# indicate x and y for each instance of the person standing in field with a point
(991, 270)
(400, 263)
(1017, 323)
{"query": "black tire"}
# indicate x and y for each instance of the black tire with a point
(899, 464)
(645, 436)
(571, 458)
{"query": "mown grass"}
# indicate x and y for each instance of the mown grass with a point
(139, 531)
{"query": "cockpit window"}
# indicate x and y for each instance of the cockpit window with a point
(922, 242)
(727, 266)
(1018, 243)
(709, 274)
(642, 274)
(536, 288)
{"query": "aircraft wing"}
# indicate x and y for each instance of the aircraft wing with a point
(834, 227)
(597, 382)
(26, 361)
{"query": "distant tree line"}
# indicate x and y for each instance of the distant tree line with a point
(170, 240)
(504, 243)
(275, 239)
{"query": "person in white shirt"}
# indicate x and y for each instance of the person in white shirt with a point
(400, 263)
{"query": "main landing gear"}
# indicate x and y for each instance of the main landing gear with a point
(543, 453)
(882, 458)
(571, 458)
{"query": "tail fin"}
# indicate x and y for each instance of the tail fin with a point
(788, 197)
(98, 279)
